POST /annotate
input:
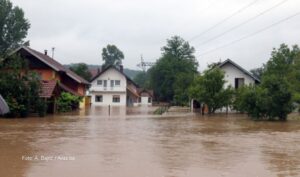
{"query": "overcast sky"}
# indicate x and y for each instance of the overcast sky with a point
(79, 29)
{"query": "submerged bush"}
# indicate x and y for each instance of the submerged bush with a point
(270, 101)
(67, 102)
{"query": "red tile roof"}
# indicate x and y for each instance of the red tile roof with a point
(47, 88)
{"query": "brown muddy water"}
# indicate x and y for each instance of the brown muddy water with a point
(93, 144)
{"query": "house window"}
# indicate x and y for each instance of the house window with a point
(104, 83)
(116, 99)
(239, 82)
(99, 82)
(149, 99)
(140, 99)
(112, 83)
(117, 82)
(99, 98)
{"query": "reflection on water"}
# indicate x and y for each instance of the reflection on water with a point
(130, 143)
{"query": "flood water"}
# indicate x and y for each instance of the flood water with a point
(94, 144)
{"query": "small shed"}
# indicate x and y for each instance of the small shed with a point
(146, 96)
(4, 109)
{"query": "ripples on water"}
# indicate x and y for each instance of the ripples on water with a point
(139, 145)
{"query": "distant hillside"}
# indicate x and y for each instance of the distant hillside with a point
(129, 72)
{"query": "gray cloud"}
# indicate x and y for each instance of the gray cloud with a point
(79, 29)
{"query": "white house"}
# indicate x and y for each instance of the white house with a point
(112, 87)
(145, 97)
(236, 76)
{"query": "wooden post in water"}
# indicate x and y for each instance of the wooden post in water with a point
(109, 110)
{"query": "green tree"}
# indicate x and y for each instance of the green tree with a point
(209, 89)
(142, 79)
(270, 101)
(257, 72)
(166, 75)
(281, 60)
(112, 55)
(82, 70)
(294, 80)
(178, 48)
(20, 88)
(274, 98)
(181, 95)
(13, 27)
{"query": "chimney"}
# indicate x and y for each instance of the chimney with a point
(121, 68)
(46, 52)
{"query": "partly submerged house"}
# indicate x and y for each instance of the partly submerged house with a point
(111, 86)
(236, 76)
(54, 76)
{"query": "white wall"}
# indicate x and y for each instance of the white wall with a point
(107, 99)
(108, 92)
(110, 74)
(232, 72)
(144, 100)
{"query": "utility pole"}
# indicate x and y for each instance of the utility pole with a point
(143, 65)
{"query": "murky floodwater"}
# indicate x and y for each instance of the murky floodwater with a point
(92, 144)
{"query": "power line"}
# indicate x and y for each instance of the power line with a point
(225, 19)
(250, 35)
(245, 22)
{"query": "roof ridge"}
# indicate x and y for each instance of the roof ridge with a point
(239, 67)
(55, 64)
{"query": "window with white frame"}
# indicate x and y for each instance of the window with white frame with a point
(116, 99)
(117, 82)
(99, 98)
(112, 83)
(99, 82)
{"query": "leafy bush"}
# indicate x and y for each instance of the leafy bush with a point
(19, 87)
(270, 101)
(161, 110)
(67, 102)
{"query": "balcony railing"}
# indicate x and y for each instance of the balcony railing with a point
(100, 88)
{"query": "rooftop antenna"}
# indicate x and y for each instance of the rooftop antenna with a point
(53, 49)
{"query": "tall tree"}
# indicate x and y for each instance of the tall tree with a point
(281, 60)
(142, 79)
(112, 55)
(209, 89)
(82, 70)
(178, 48)
(13, 27)
(166, 76)
(279, 87)
(257, 72)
